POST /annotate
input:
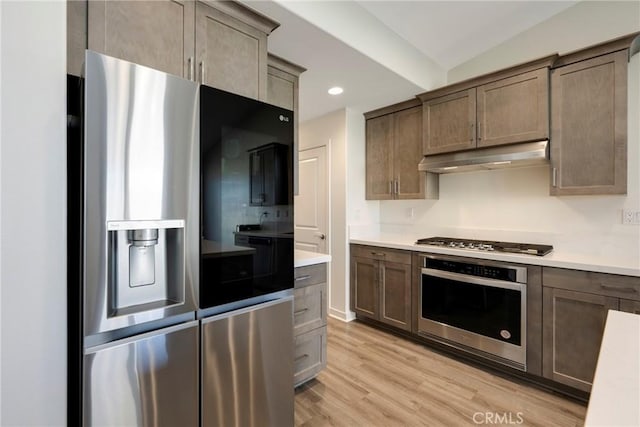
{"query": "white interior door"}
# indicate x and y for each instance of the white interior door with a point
(311, 202)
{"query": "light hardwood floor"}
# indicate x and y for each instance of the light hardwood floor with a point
(374, 378)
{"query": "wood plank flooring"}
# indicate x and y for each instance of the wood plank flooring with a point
(374, 378)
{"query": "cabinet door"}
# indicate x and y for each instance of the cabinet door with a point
(309, 355)
(379, 158)
(589, 126)
(573, 325)
(256, 179)
(630, 306)
(407, 153)
(449, 123)
(76, 36)
(515, 109)
(309, 308)
(282, 89)
(364, 286)
(158, 34)
(395, 298)
(230, 54)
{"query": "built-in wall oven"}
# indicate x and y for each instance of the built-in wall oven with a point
(476, 306)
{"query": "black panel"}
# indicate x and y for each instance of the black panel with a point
(246, 166)
(485, 310)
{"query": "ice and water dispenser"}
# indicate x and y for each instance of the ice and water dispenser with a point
(146, 265)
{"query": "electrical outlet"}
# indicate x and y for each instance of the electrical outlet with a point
(631, 217)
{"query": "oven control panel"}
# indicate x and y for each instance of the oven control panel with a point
(504, 273)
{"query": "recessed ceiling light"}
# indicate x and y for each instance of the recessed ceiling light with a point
(336, 90)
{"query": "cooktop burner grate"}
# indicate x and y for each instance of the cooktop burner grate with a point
(487, 245)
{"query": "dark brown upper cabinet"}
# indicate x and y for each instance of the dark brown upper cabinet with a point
(269, 175)
(449, 123)
(589, 122)
(219, 43)
(515, 109)
(505, 107)
(393, 151)
(157, 34)
(231, 48)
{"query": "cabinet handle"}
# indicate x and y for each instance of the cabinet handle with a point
(554, 176)
(472, 134)
(190, 66)
(296, 313)
(397, 186)
(305, 277)
(624, 289)
(202, 71)
(391, 187)
(299, 358)
(378, 253)
(479, 131)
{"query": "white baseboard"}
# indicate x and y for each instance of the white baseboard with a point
(341, 315)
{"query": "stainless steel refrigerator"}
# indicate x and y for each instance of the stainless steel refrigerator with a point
(134, 248)
(176, 317)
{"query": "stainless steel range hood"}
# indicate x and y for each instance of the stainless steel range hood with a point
(498, 157)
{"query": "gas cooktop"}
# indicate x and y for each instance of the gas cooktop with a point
(486, 245)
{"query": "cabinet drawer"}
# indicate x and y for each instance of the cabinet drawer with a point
(310, 354)
(310, 275)
(383, 254)
(612, 285)
(309, 308)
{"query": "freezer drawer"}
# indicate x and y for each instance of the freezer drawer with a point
(146, 380)
(247, 366)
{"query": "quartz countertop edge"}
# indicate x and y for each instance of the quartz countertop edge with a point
(554, 259)
(305, 258)
(616, 386)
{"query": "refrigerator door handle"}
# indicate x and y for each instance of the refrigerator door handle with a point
(128, 340)
(247, 309)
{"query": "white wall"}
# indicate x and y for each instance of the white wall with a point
(329, 131)
(585, 24)
(33, 213)
(342, 132)
(507, 203)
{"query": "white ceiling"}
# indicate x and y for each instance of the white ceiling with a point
(377, 50)
(452, 32)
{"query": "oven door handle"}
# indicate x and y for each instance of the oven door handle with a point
(464, 278)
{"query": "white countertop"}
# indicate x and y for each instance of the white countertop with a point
(615, 395)
(611, 264)
(304, 258)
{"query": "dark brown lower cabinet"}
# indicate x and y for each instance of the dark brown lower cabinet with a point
(381, 285)
(573, 324)
(575, 305)
(630, 306)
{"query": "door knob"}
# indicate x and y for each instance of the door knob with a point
(320, 235)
